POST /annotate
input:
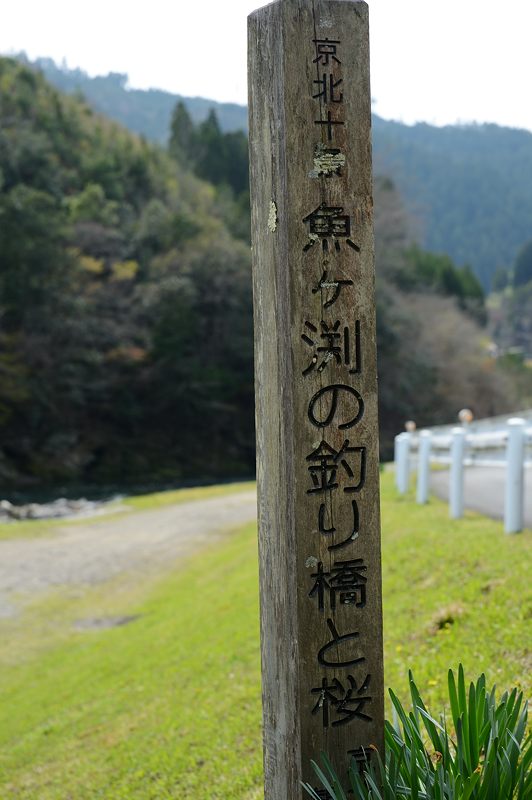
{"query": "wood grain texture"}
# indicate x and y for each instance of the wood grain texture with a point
(294, 318)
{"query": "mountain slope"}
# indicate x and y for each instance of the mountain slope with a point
(146, 112)
(467, 187)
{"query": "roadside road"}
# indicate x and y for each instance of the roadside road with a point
(483, 490)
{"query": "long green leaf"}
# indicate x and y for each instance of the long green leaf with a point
(430, 724)
(453, 697)
(473, 730)
(323, 778)
(308, 788)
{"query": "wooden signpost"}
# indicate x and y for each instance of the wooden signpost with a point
(316, 388)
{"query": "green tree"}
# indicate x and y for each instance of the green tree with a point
(182, 134)
(421, 270)
(211, 157)
(34, 260)
(202, 356)
(92, 205)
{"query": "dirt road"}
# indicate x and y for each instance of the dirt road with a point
(92, 552)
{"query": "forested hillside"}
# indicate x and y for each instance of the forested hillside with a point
(467, 187)
(126, 310)
(125, 304)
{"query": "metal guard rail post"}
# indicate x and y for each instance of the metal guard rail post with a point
(459, 448)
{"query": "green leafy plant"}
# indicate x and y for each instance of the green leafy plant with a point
(486, 755)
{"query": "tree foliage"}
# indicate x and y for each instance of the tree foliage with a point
(423, 270)
(218, 157)
(125, 304)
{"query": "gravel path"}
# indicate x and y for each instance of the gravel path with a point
(92, 552)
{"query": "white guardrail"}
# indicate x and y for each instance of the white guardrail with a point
(499, 442)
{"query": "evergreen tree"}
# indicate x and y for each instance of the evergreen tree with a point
(182, 135)
(211, 158)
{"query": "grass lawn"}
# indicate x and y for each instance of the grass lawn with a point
(168, 706)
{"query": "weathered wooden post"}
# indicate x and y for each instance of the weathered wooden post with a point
(316, 388)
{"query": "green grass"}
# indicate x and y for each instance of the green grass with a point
(169, 705)
(32, 529)
(454, 590)
(169, 498)
(158, 708)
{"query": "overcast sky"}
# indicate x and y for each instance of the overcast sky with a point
(441, 62)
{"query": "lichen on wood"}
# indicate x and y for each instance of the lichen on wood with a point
(272, 217)
(327, 161)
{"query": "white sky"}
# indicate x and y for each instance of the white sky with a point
(441, 62)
